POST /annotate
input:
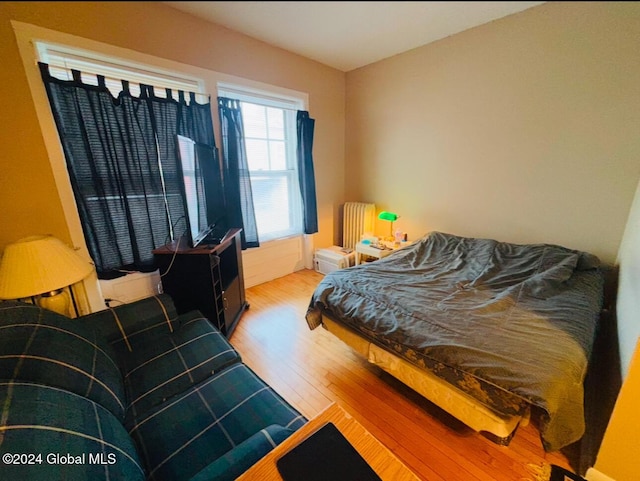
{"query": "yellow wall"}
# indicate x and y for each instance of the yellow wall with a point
(524, 129)
(619, 457)
(28, 194)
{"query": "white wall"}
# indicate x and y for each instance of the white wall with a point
(525, 129)
(628, 303)
(274, 259)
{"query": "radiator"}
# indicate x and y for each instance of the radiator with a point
(358, 218)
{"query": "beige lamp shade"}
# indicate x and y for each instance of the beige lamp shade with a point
(38, 265)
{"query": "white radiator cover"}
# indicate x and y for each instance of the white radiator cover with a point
(358, 218)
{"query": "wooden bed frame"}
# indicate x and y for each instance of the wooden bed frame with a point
(459, 404)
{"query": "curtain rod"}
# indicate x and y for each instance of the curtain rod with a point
(69, 73)
(198, 95)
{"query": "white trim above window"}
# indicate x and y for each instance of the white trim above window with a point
(270, 99)
(62, 59)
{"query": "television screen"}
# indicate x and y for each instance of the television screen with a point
(203, 188)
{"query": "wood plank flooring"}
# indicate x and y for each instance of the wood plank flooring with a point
(311, 369)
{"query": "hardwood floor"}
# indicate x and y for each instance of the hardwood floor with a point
(311, 369)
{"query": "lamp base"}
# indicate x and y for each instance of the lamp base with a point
(390, 238)
(56, 301)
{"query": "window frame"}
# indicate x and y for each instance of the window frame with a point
(289, 105)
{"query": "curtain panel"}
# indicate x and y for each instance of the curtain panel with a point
(123, 165)
(237, 180)
(304, 151)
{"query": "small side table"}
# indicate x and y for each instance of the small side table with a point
(370, 251)
(375, 252)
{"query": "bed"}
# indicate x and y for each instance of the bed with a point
(487, 330)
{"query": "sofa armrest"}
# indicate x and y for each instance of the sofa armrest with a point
(122, 322)
(244, 455)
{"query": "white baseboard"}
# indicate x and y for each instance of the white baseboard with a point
(595, 475)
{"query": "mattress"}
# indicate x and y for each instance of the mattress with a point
(510, 325)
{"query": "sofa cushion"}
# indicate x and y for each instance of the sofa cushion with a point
(178, 439)
(44, 347)
(169, 364)
(68, 437)
(129, 325)
(244, 455)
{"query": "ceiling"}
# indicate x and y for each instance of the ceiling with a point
(349, 35)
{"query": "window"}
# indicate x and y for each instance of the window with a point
(270, 142)
(121, 156)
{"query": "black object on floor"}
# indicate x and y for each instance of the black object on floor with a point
(325, 455)
(560, 474)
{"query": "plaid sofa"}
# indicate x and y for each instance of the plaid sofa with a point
(130, 393)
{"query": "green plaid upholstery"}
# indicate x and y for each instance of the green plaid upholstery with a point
(68, 388)
(43, 347)
(54, 423)
(244, 455)
(171, 363)
(128, 325)
(181, 437)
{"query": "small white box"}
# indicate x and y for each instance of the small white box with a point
(332, 258)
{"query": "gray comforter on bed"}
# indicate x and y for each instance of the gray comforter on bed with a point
(520, 319)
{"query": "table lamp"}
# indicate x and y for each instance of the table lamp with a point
(391, 217)
(42, 267)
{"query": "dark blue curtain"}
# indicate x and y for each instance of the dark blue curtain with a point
(306, 175)
(237, 180)
(123, 165)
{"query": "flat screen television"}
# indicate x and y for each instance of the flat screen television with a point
(203, 191)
